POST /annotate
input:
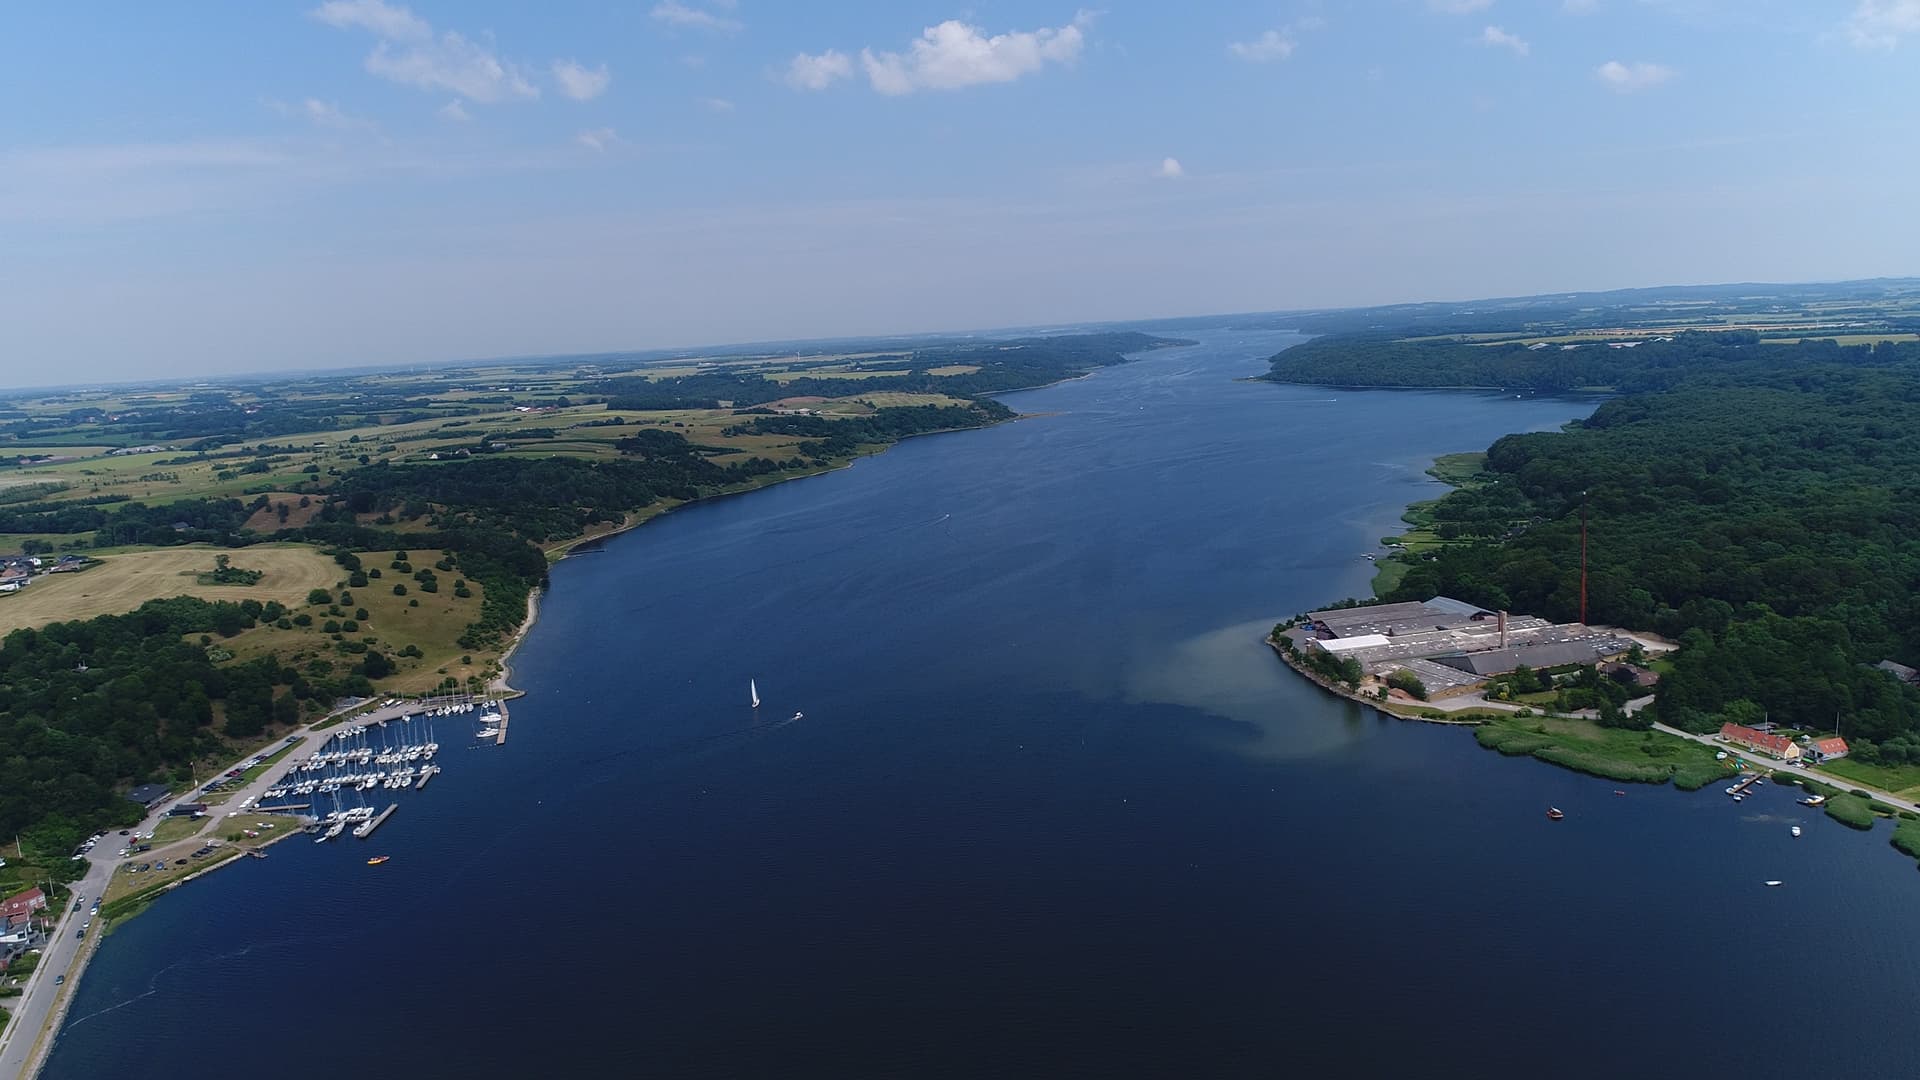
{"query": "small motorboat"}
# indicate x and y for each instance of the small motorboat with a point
(797, 716)
(1796, 830)
(1555, 813)
(1774, 884)
(1619, 793)
(378, 859)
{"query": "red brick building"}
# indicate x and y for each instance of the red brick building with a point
(1778, 745)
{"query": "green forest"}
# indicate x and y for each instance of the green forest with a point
(1757, 503)
(85, 706)
(1363, 360)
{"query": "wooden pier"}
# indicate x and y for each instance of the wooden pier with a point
(366, 830)
(500, 739)
(427, 772)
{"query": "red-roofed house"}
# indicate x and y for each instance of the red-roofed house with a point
(22, 903)
(1819, 750)
(1778, 745)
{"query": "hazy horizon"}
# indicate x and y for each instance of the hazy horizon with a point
(355, 183)
(730, 347)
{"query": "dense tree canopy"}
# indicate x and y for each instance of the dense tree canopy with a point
(1766, 516)
(1653, 363)
(92, 706)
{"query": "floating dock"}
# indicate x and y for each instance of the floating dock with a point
(365, 829)
(501, 739)
(426, 774)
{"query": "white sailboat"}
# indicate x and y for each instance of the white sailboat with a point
(754, 693)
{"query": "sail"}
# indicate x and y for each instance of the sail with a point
(753, 692)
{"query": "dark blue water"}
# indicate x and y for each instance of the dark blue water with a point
(1053, 810)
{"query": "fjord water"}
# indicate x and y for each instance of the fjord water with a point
(1053, 809)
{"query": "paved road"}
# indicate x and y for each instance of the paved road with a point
(1776, 764)
(35, 1005)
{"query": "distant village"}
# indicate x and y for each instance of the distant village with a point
(18, 571)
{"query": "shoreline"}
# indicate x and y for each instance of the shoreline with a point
(502, 683)
(1372, 703)
(50, 1029)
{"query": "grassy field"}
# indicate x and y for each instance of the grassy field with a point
(171, 829)
(433, 622)
(1906, 837)
(124, 582)
(126, 889)
(1850, 810)
(1844, 339)
(1902, 780)
(1615, 754)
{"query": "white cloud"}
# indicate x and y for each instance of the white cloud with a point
(955, 54)
(1459, 7)
(1880, 24)
(1272, 45)
(597, 139)
(809, 72)
(1628, 78)
(328, 115)
(680, 15)
(408, 52)
(452, 63)
(390, 23)
(1170, 169)
(719, 105)
(579, 82)
(1495, 36)
(453, 111)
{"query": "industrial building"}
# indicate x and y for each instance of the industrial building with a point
(1451, 646)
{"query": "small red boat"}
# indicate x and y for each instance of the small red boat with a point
(1554, 813)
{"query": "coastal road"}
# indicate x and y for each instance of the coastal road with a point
(39, 997)
(35, 1005)
(1776, 764)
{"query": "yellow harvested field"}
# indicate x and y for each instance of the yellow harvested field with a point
(789, 376)
(954, 369)
(888, 399)
(266, 521)
(123, 582)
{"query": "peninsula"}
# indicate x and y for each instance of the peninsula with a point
(1741, 497)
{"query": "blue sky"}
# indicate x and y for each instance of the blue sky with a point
(248, 186)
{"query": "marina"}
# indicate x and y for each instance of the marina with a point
(365, 828)
(391, 747)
